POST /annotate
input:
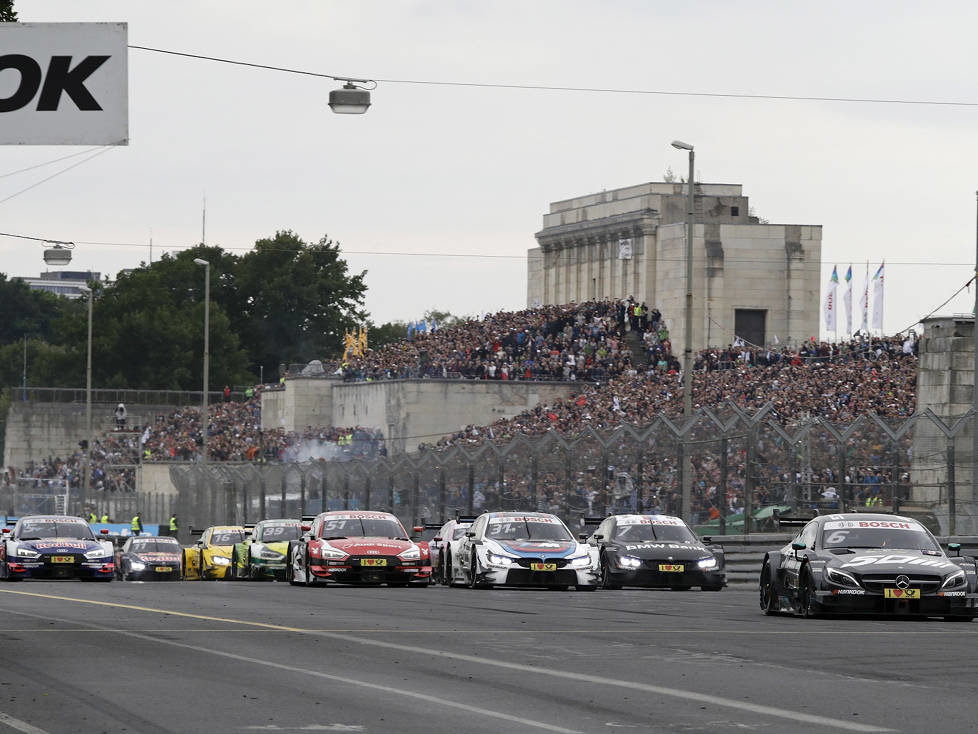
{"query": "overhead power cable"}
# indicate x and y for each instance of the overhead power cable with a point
(561, 88)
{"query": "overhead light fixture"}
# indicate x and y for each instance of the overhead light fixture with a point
(351, 99)
(681, 145)
(59, 254)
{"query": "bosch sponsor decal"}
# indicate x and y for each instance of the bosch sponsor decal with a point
(356, 515)
(661, 546)
(874, 525)
(649, 520)
(499, 519)
(49, 544)
(902, 560)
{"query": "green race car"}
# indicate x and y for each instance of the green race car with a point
(262, 554)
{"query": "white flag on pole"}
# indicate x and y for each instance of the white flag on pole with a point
(864, 303)
(878, 299)
(831, 305)
(847, 300)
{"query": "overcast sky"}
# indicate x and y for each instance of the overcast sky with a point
(438, 190)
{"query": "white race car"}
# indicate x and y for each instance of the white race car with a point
(523, 549)
(445, 544)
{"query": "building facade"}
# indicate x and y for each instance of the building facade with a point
(751, 279)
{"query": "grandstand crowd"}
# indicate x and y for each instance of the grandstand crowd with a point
(618, 353)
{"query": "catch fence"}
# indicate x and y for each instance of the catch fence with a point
(743, 469)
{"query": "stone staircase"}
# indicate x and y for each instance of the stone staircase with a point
(640, 356)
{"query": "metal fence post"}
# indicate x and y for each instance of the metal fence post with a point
(951, 489)
(722, 489)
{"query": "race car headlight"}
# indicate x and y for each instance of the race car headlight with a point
(629, 561)
(707, 563)
(327, 552)
(267, 554)
(579, 561)
(220, 561)
(97, 554)
(955, 579)
(137, 566)
(495, 559)
(411, 554)
(841, 578)
(27, 553)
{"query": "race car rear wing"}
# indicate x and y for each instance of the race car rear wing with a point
(793, 522)
(307, 519)
(469, 519)
(592, 521)
(433, 525)
(196, 531)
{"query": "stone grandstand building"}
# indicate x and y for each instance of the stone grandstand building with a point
(751, 279)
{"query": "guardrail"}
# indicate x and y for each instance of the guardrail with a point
(175, 398)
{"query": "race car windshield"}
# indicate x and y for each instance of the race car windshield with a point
(156, 545)
(521, 529)
(910, 537)
(642, 533)
(362, 527)
(275, 533)
(227, 538)
(36, 531)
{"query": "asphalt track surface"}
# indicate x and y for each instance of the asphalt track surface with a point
(215, 657)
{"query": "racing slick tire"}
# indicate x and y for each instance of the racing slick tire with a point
(710, 588)
(231, 574)
(310, 579)
(681, 588)
(442, 576)
(959, 618)
(606, 582)
(473, 578)
(767, 592)
(806, 595)
(449, 573)
(289, 567)
(586, 588)
(398, 584)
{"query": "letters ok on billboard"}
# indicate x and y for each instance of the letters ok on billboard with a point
(64, 84)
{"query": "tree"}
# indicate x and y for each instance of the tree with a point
(27, 311)
(7, 12)
(294, 301)
(149, 326)
(389, 333)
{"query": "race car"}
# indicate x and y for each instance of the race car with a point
(349, 547)
(55, 547)
(523, 549)
(147, 558)
(868, 563)
(210, 557)
(655, 551)
(261, 555)
(443, 545)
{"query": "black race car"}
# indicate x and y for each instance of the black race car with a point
(868, 563)
(655, 551)
(147, 558)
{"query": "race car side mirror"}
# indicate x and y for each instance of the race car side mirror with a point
(306, 528)
(599, 536)
(469, 534)
(708, 539)
(6, 530)
(582, 536)
(956, 547)
(104, 531)
(437, 539)
(798, 546)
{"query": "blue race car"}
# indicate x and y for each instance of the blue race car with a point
(55, 547)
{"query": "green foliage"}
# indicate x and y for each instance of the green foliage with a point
(287, 301)
(380, 336)
(7, 12)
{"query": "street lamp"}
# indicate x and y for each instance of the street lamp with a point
(88, 401)
(688, 336)
(351, 99)
(207, 347)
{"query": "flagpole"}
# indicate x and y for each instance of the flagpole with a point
(974, 389)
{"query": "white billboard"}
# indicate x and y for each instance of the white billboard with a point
(64, 84)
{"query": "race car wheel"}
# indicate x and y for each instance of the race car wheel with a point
(586, 588)
(681, 588)
(230, 574)
(447, 572)
(606, 582)
(806, 595)
(768, 594)
(441, 569)
(310, 579)
(960, 618)
(290, 567)
(473, 578)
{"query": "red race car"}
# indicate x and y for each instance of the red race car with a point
(351, 547)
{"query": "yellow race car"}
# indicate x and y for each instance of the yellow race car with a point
(210, 557)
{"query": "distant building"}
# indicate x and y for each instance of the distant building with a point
(751, 279)
(65, 283)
